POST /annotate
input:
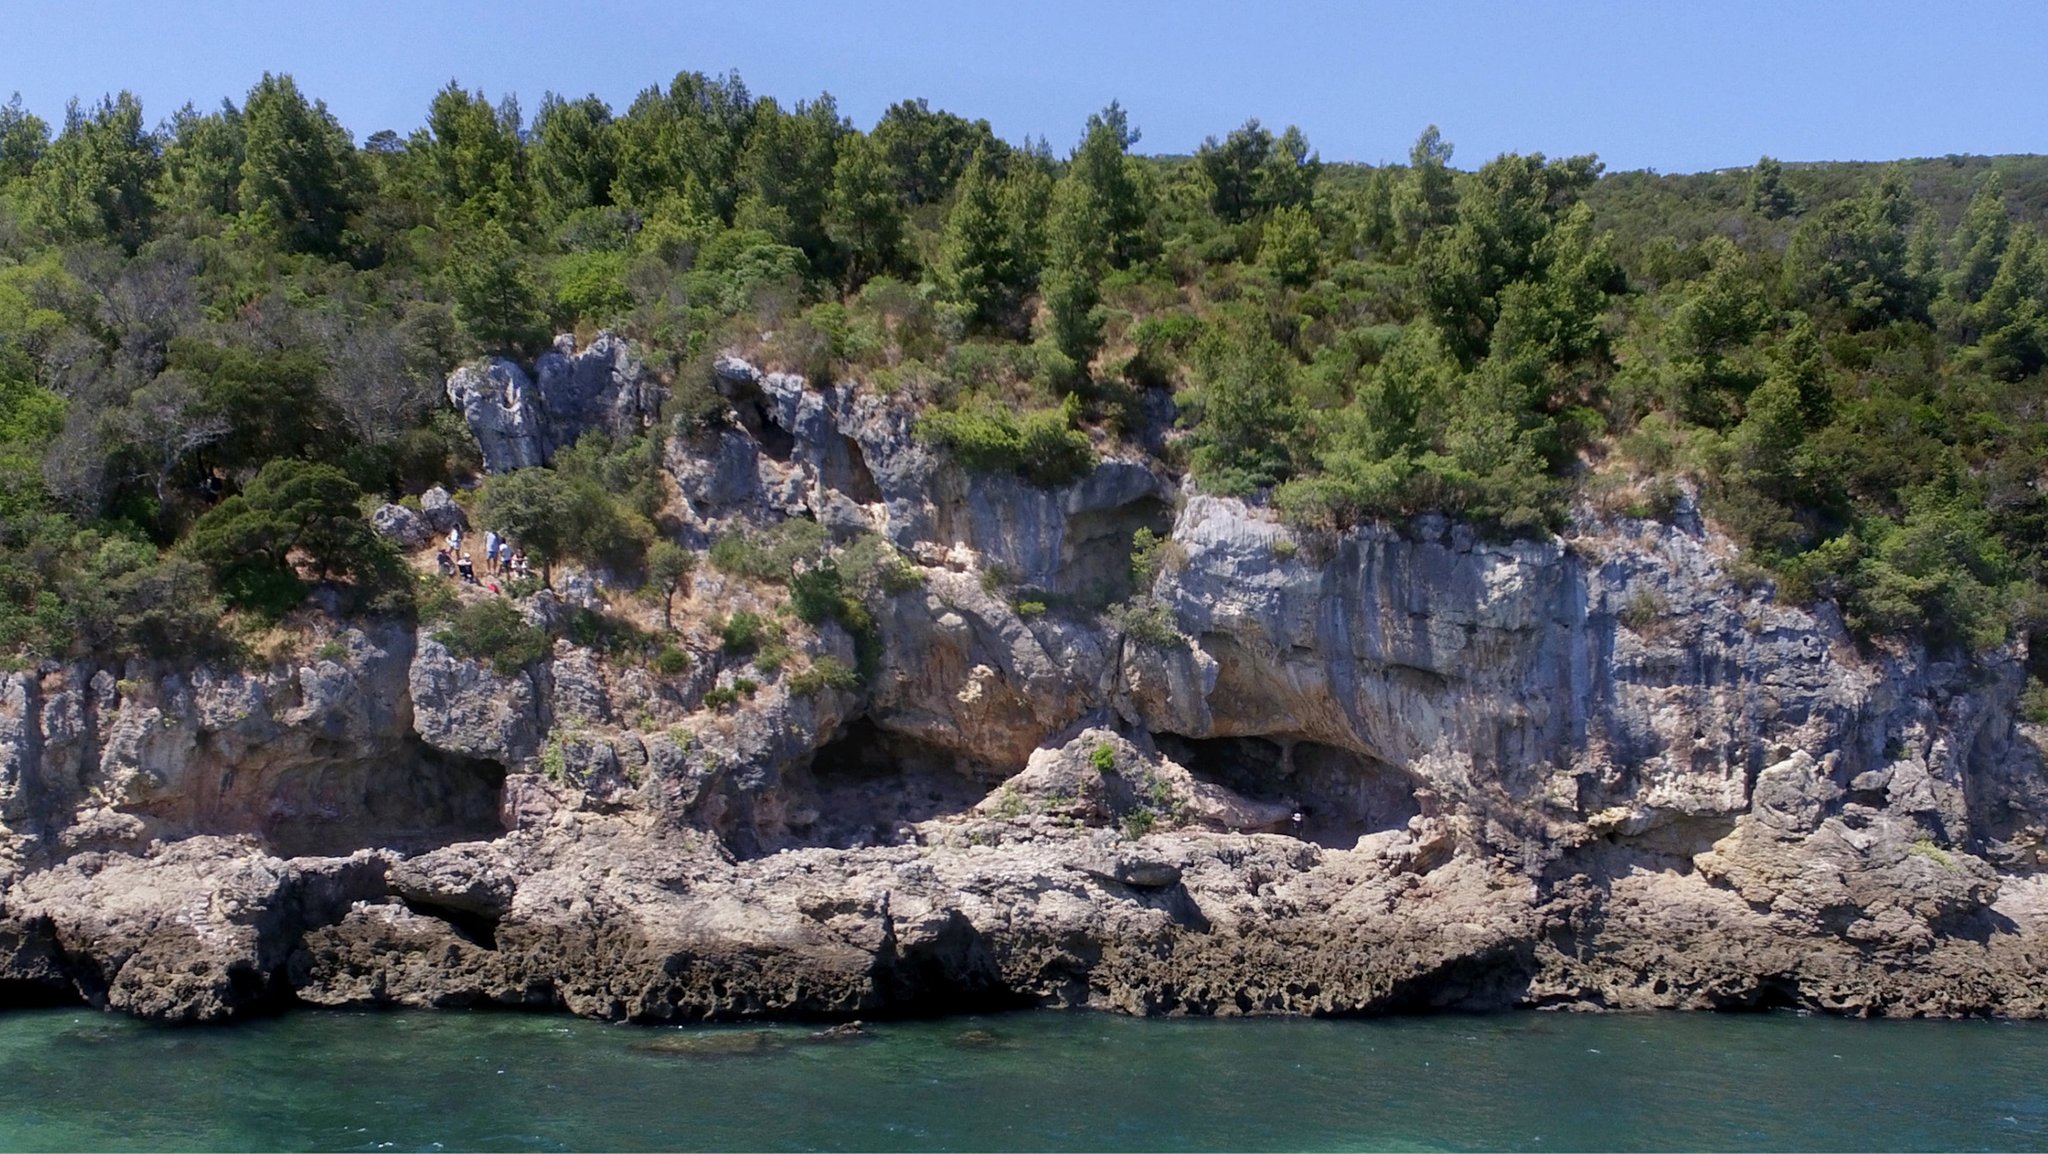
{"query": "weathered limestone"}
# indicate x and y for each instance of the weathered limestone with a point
(1396, 768)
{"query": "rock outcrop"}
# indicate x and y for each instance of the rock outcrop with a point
(520, 421)
(1401, 767)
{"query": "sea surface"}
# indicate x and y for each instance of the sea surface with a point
(77, 1079)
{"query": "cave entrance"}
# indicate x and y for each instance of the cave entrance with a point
(417, 801)
(869, 786)
(1341, 795)
(1095, 553)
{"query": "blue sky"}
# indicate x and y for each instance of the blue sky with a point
(1667, 85)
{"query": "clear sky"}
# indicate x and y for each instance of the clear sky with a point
(1675, 85)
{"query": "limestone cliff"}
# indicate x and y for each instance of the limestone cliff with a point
(1399, 767)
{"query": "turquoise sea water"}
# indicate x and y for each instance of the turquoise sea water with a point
(74, 1079)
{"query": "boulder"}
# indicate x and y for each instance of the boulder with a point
(402, 526)
(441, 512)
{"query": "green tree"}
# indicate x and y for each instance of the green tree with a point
(1854, 255)
(534, 508)
(864, 217)
(1428, 198)
(1250, 172)
(497, 300)
(787, 167)
(1505, 218)
(23, 138)
(685, 145)
(1976, 248)
(669, 567)
(294, 511)
(1242, 413)
(1290, 246)
(301, 177)
(476, 164)
(201, 180)
(93, 183)
(1768, 195)
(2013, 312)
(978, 265)
(928, 152)
(574, 154)
(1099, 212)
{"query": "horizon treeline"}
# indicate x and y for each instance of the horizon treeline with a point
(1844, 361)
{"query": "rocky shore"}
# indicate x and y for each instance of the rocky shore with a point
(1399, 768)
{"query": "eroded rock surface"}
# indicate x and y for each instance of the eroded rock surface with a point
(1402, 767)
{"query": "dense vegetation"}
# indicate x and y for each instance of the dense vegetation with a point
(1846, 361)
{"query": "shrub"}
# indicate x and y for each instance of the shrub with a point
(1041, 446)
(493, 631)
(672, 661)
(1148, 621)
(741, 633)
(1103, 758)
(1030, 608)
(1647, 613)
(825, 673)
(768, 554)
(1150, 553)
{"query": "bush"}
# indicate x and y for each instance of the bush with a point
(672, 661)
(1103, 758)
(1148, 621)
(768, 554)
(741, 633)
(492, 630)
(825, 673)
(1041, 446)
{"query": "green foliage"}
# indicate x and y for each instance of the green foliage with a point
(301, 177)
(1103, 758)
(769, 554)
(1041, 445)
(92, 184)
(741, 633)
(1842, 361)
(669, 567)
(672, 661)
(492, 630)
(1148, 621)
(293, 514)
(1243, 413)
(980, 266)
(497, 299)
(556, 514)
(826, 672)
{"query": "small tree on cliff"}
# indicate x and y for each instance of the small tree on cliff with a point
(669, 566)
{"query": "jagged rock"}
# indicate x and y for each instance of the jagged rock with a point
(464, 708)
(1393, 768)
(401, 525)
(521, 421)
(441, 512)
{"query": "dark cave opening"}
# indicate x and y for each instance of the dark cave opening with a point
(1341, 795)
(868, 786)
(419, 799)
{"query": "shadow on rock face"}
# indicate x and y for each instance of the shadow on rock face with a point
(420, 800)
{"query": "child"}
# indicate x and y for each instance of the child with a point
(446, 563)
(468, 568)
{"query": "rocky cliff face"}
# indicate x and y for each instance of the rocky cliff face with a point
(1401, 767)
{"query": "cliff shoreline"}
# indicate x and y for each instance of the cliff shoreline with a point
(1589, 772)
